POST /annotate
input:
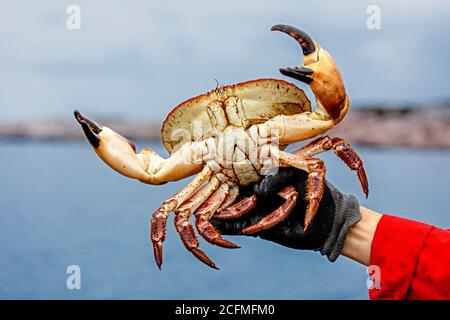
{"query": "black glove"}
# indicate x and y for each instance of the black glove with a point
(337, 213)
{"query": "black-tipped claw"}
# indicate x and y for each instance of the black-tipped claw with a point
(299, 73)
(90, 128)
(305, 41)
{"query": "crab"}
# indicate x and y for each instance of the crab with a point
(232, 136)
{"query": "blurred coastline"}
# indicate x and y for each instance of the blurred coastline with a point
(410, 126)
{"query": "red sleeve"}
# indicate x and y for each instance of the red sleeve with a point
(413, 260)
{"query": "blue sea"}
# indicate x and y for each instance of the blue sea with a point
(61, 206)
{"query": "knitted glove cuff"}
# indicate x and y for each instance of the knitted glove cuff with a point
(347, 214)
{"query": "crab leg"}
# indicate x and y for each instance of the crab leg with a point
(146, 166)
(206, 211)
(343, 150)
(232, 195)
(315, 183)
(238, 209)
(184, 226)
(159, 217)
(290, 195)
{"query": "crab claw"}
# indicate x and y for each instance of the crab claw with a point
(91, 129)
(319, 72)
(115, 150)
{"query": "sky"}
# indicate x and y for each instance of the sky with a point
(139, 59)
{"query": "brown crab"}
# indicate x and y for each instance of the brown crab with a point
(232, 136)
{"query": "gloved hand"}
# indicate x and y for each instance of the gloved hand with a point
(337, 213)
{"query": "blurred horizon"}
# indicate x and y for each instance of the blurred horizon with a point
(139, 61)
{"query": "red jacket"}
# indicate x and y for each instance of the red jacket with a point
(411, 260)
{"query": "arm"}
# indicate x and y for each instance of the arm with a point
(413, 258)
(358, 244)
